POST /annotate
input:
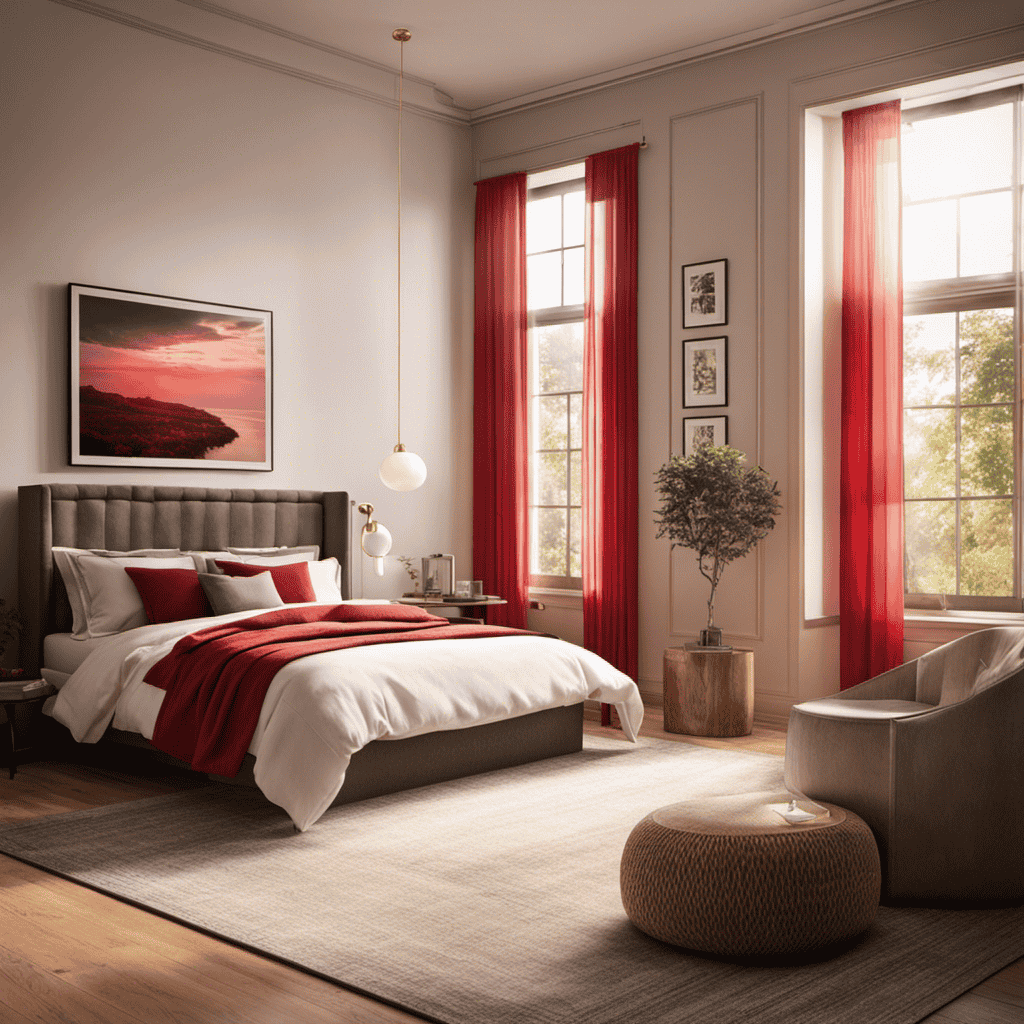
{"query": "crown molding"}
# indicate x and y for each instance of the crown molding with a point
(844, 11)
(207, 26)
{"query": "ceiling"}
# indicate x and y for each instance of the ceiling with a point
(483, 53)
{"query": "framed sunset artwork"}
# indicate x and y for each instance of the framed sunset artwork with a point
(164, 382)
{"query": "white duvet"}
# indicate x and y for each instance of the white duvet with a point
(321, 709)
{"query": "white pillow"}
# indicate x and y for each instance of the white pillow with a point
(206, 561)
(325, 576)
(66, 560)
(111, 601)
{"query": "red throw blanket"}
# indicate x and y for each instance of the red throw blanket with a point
(216, 678)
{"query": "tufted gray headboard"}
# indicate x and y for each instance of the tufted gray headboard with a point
(122, 517)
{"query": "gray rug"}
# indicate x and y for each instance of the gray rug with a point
(495, 900)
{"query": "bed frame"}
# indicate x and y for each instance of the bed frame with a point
(122, 517)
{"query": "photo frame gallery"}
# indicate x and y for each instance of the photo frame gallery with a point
(705, 298)
(165, 382)
(701, 430)
(705, 372)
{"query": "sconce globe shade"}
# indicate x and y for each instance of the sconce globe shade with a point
(376, 543)
(403, 471)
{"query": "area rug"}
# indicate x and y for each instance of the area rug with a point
(495, 899)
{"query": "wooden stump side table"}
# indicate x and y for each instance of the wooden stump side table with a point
(709, 692)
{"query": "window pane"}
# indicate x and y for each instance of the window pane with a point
(576, 480)
(552, 426)
(967, 152)
(548, 542)
(576, 421)
(986, 451)
(929, 449)
(986, 548)
(929, 550)
(929, 241)
(929, 359)
(575, 562)
(986, 356)
(543, 224)
(986, 234)
(551, 483)
(573, 270)
(560, 355)
(544, 280)
(574, 203)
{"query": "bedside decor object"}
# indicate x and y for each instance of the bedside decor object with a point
(705, 372)
(414, 574)
(712, 505)
(401, 470)
(439, 575)
(701, 430)
(704, 294)
(167, 382)
(374, 539)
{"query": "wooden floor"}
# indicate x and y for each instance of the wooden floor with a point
(71, 955)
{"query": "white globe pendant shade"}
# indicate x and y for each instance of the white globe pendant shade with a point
(402, 470)
(377, 542)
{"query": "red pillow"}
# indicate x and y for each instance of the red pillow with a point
(169, 595)
(291, 579)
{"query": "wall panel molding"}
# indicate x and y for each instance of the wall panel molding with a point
(729, 196)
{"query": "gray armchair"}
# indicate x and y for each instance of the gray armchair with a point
(931, 756)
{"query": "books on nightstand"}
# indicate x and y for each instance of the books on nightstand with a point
(21, 689)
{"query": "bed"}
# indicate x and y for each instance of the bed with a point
(127, 518)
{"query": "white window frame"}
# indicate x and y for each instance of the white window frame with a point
(552, 316)
(963, 295)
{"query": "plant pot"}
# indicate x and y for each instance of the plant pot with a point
(711, 637)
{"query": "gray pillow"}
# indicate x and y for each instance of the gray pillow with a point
(239, 593)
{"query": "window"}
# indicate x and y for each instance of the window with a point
(554, 285)
(961, 165)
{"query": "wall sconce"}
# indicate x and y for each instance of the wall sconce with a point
(375, 540)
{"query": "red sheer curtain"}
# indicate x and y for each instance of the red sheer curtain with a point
(500, 466)
(871, 470)
(610, 514)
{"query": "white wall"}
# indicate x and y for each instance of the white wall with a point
(135, 161)
(734, 125)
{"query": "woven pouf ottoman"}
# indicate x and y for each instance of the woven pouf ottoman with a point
(727, 875)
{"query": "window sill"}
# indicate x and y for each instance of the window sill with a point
(554, 597)
(920, 624)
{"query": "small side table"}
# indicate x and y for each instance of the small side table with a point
(471, 606)
(10, 705)
(709, 691)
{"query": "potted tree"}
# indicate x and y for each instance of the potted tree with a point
(712, 505)
(10, 627)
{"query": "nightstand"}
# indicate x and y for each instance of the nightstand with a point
(34, 701)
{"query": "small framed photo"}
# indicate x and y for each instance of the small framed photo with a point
(700, 430)
(705, 372)
(704, 294)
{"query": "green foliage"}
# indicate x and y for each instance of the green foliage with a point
(714, 506)
(986, 455)
(10, 625)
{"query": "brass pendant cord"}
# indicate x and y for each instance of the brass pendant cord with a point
(402, 35)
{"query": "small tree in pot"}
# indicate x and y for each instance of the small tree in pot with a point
(712, 505)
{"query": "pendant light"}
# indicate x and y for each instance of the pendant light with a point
(401, 470)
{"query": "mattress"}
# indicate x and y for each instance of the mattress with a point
(63, 653)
